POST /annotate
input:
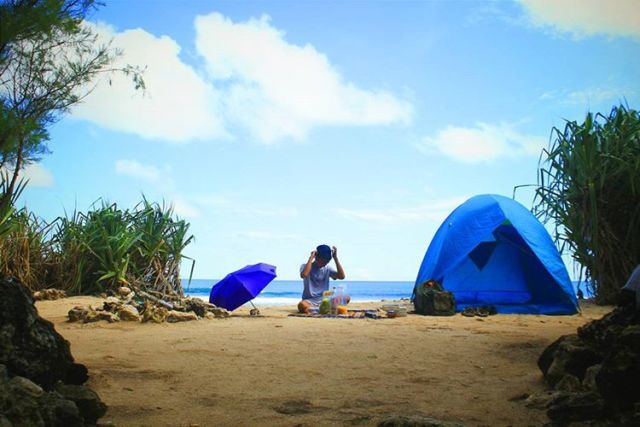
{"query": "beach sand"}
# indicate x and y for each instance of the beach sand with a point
(289, 371)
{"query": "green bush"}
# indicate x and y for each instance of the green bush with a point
(105, 248)
(589, 187)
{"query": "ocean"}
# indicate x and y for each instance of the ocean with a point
(289, 292)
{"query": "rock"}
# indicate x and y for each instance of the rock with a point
(29, 345)
(112, 305)
(618, 380)
(123, 291)
(89, 404)
(49, 294)
(567, 355)
(630, 339)
(77, 314)
(154, 314)
(589, 381)
(57, 411)
(23, 386)
(96, 316)
(128, 313)
(209, 315)
(196, 305)
(569, 383)
(219, 312)
(415, 421)
(576, 407)
(542, 399)
(179, 316)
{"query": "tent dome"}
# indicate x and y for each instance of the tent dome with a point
(492, 251)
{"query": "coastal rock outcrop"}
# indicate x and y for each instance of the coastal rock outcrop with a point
(415, 421)
(29, 345)
(40, 384)
(140, 306)
(596, 372)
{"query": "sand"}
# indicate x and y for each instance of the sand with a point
(288, 371)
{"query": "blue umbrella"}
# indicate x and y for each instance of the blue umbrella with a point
(241, 286)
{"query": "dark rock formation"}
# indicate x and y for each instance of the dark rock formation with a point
(415, 421)
(596, 373)
(39, 381)
(29, 345)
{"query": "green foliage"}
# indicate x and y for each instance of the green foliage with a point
(49, 61)
(589, 186)
(107, 247)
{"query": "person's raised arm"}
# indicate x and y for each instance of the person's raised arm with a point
(340, 274)
(307, 268)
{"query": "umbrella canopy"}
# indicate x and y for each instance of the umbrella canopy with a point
(242, 285)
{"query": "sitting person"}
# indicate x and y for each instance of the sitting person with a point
(315, 275)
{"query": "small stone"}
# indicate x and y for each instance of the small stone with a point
(415, 421)
(219, 312)
(569, 383)
(23, 386)
(112, 304)
(49, 294)
(179, 316)
(575, 407)
(123, 291)
(89, 404)
(154, 314)
(589, 381)
(58, 411)
(128, 313)
(77, 314)
(541, 400)
(96, 316)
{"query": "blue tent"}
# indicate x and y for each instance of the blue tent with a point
(492, 250)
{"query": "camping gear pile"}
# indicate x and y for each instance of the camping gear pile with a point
(491, 251)
(141, 306)
(431, 299)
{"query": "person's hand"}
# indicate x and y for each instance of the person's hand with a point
(313, 255)
(334, 251)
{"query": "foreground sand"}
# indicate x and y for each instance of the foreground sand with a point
(288, 371)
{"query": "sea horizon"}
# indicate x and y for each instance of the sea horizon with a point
(289, 292)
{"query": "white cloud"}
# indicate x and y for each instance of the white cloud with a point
(587, 17)
(136, 169)
(267, 236)
(38, 175)
(482, 143)
(434, 211)
(277, 89)
(184, 209)
(178, 105)
(589, 96)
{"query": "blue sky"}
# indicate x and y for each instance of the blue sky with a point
(273, 127)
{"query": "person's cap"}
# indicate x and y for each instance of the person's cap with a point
(324, 252)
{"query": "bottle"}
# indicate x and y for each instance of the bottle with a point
(325, 305)
(342, 300)
(334, 302)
